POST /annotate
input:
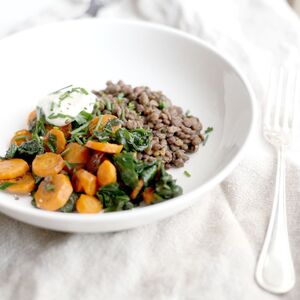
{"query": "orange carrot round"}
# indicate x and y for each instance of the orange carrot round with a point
(21, 185)
(104, 147)
(53, 192)
(47, 164)
(59, 140)
(21, 136)
(13, 168)
(107, 173)
(88, 205)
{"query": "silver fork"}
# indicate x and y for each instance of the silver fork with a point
(275, 270)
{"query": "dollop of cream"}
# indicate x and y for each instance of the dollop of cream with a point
(63, 106)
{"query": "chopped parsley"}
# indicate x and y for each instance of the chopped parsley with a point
(49, 187)
(56, 92)
(208, 130)
(187, 174)
(70, 165)
(52, 143)
(207, 133)
(131, 105)
(59, 115)
(5, 185)
(67, 94)
(120, 96)
(162, 105)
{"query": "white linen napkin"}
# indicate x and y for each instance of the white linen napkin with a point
(210, 250)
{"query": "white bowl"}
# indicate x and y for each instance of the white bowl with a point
(191, 73)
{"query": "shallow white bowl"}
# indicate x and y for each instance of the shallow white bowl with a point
(90, 52)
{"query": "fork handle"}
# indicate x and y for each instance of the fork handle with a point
(275, 269)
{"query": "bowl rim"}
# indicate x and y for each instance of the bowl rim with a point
(152, 209)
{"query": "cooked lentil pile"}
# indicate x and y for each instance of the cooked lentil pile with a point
(175, 133)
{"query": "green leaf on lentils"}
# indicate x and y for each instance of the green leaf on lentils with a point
(134, 140)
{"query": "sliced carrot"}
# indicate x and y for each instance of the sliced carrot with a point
(107, 173)
(76, 154)
(60, 140)
(21, 136)
(47, 164)
(148, 195)
(88, 205)
(104, 147)
(101, 121)
(53, 192)
(13, 168)
(88, 181)
(137, 189)
(21, 185)
(31, 118)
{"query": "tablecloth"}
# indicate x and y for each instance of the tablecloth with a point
(208, 251)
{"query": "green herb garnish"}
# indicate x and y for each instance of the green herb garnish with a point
(120, 96)
(56, 92)
(49, 187)
(59, 115)
(21, 137)
(70, 165)
(133, 140)
(131, 105)
(52, 142)
(187, 174)
(162, 105)
(5, 185)
(207, 132)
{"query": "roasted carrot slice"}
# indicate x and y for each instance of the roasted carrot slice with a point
(20, 137)
(47, 164)
(148, 195)
(31, 118)
(100, 123)
(13, 168)
(107, 173)
(104, 147)
(21, 185)
(53, 192)
(76, 154)
(87, 181)
(59, 140)
(88, 205)
(137, 189)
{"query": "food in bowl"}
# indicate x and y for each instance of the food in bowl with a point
(104, 151)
